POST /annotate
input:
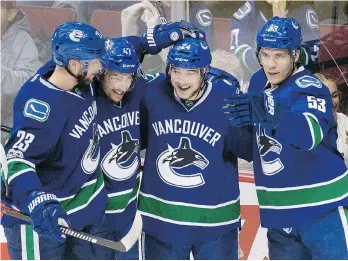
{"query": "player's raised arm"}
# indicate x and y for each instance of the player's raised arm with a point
(162, 36)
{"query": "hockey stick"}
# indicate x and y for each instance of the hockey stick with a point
(123, 245)
(161, 15)
(6, 128)
(160, 12)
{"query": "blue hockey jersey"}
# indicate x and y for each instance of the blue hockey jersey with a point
(247, 21)
(119, 129)
(54, 147)
(190, 191)
(299, 174)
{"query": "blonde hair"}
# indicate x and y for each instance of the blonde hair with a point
(228, 62)
(324, 77)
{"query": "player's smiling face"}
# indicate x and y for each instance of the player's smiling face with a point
(115, 84)
(278, 64)
(186, 82)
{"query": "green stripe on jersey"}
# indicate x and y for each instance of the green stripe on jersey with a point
(304, 196)
(121, 199)
(17, 167)
(189, 214)
(315, 129)
(86, 194)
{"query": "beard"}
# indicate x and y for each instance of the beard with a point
(83, 83)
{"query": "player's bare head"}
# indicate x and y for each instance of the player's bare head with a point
(188, 63)
(278, 48)
(331, 84)
(121, 64)
(78, 48)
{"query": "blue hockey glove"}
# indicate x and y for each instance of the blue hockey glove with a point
(250, 108)
(191, 30)
(218, 74)
(46, 213)
(164, 35)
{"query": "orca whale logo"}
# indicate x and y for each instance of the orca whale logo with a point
(90, 160)
(267, 144)
(114, 164)
(179, 158)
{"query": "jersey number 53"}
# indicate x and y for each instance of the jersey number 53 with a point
(316, 103)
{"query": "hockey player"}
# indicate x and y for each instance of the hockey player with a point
(53, 150)
(120, 90)
(249, 19)
(301, 179)
(189, 196)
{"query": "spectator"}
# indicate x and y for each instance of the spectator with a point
(19, 59)
(42, 39)
(342, 119)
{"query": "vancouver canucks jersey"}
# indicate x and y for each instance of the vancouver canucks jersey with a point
(299, 173)
(189, 191)
(248, 20)
(54, 147)
(119, 129)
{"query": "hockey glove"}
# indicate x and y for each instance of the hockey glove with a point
(215, 74)
(46, 215)
(250, 108)
(191, 30)
(164, 35)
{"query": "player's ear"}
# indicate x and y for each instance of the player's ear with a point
(297, 55)
(74, 65)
